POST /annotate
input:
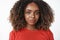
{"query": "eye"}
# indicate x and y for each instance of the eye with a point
(37, 13)
(27, 12)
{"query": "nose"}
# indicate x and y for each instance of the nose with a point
(32, 15)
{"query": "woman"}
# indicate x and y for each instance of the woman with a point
(31, 20)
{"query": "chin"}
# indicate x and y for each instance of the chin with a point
(31, 23)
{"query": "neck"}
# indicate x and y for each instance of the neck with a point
(30, 27)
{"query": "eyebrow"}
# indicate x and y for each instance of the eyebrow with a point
(30, 10)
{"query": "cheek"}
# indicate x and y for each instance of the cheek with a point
(37, 17)
(26, 17)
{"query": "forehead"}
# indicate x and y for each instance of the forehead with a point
(32, 6)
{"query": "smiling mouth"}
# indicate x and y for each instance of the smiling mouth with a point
(32, 21)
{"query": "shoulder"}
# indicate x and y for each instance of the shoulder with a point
(50, 34)
(47, 31)
(12, 33)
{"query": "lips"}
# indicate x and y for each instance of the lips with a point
(32, 21)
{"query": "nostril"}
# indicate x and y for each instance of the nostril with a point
(32, 16)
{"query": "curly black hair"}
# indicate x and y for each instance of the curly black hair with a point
(17, 15)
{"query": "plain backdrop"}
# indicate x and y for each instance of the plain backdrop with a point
(5, 25)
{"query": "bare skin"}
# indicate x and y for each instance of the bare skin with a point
(31, 15)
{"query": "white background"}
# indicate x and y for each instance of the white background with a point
(5, 26)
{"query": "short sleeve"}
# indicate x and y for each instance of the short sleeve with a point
(12, 35)
(50, 35)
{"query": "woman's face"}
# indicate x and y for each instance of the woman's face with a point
(31, 13)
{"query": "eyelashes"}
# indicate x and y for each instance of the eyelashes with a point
(27, 12)
(37, 12)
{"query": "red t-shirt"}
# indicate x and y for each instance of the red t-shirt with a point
(26, 34)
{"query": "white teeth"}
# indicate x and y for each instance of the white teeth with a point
(31, 19)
